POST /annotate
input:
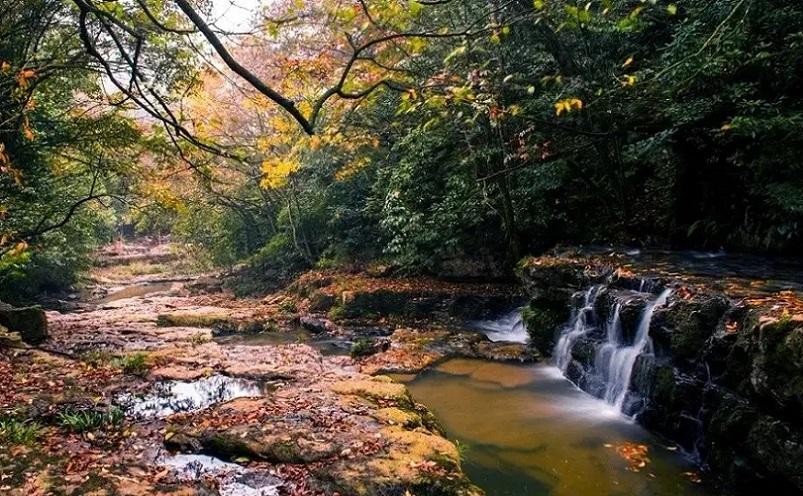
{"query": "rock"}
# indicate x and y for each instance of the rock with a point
(321, 302)
(229, 327)
(182, 319)
(543, 319)
(724, 380)
(29, 322)
(8, 338)
(506, 352)
(316, 325)
(362, 436)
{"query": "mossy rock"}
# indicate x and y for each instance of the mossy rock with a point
(403, 467)
(777, 373)
(29, 322)
(543, 319)
(682, 328)
(378, 388)
(179, 319)
(250, 442)
(398, 416)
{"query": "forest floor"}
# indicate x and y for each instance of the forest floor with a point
(160, 382)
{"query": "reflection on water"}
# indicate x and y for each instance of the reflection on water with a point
(235, 481)
(169, 397)
(530, 432)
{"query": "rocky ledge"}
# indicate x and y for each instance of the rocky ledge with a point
(723, 374)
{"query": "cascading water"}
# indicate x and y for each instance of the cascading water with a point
(614, 355)
(579, 326)
(623, 358)
(507, 328)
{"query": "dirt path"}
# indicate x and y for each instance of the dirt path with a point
(132, 395)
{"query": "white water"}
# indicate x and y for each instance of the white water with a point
(623, 358)
(614, 359)
(508, 328)
(578, 326)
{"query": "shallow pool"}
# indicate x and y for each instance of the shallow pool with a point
(527, 431)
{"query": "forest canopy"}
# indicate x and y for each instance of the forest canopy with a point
(443, 136)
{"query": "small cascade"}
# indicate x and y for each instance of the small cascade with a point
(609, 372)
(579, 325)
(623, 358)
(507, 328)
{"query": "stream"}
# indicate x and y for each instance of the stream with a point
(526, 430)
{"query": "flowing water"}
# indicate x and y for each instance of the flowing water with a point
(615, 355)
(529, 432)
(508, 328)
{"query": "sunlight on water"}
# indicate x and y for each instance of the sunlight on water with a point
(530, 432)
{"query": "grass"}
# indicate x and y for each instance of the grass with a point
(288, 306)
(135, 363)
(89, 420)
(97, 358)
(361, 347)
(198, 339)
(16, 431)
(462, 450)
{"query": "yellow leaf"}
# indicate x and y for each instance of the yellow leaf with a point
(567, 105)
(672, 9)
(628, 62)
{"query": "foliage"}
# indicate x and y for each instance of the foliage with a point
(14, 430)
(440, 137)
(134, 363)
(650, 123)
(87, 420)
(361, 347)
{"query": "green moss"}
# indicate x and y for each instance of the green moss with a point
(190, 320)
(361, 347)
(542, 321)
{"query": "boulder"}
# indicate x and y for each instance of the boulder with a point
(29, 322)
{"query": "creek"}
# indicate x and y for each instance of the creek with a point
(526, 430)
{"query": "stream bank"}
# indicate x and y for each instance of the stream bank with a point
(704, 350)
(180, 388)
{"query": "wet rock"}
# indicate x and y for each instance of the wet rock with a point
(316, 325)
(360, 436)
(777, 370)
(543, 319)
(682, 328)
(29, 322)
(231, 327)
(722, 379)
(506, 352)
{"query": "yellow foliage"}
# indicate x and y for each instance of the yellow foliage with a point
(276, 171)
(567, 105)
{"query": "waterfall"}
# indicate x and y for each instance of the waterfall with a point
(579, 325)
(507, 328)
(614, 358)
(624, 357)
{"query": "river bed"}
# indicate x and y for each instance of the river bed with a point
(527, 431)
